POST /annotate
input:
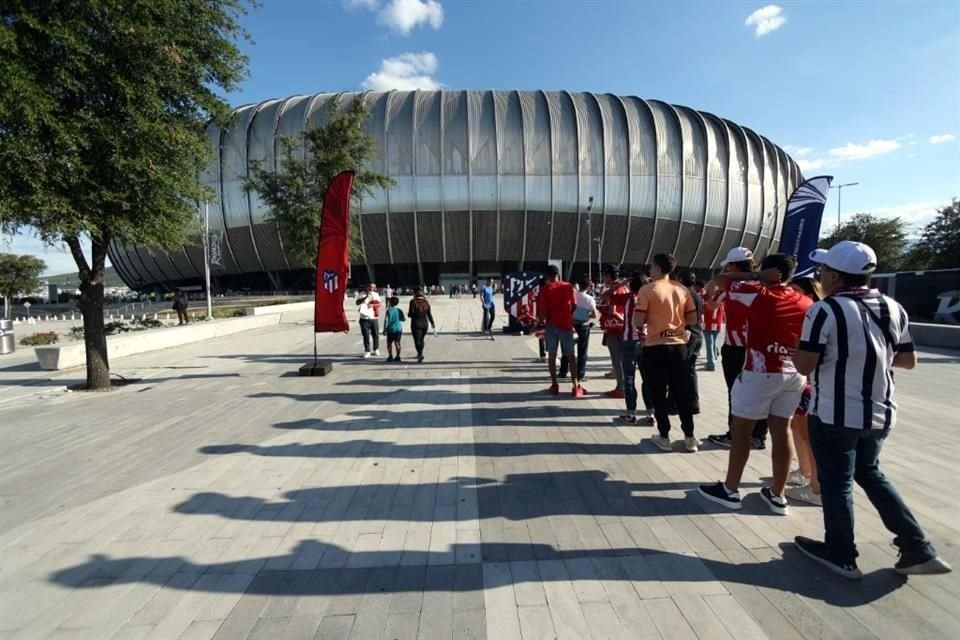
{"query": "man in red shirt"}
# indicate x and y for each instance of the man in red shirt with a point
(733, 352)
(712, 323)
(769, 385)
(611, 307)
(555, 306)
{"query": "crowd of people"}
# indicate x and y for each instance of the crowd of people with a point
(777, 331)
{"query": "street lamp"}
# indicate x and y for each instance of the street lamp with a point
(839, 189)
(589, 235)
(206, 257)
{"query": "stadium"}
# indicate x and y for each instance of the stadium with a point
(489, 182)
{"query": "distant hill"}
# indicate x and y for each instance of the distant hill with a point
(72, 280)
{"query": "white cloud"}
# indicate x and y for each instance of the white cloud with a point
(943, 137)
(403, 16)
(797, 152)
(369, 5)
(406, 71)
(872, 148)
(811, 165)
(915, 214)
(766, 19)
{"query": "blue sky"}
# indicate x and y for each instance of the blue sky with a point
(868, 91)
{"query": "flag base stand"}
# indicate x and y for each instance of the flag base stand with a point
(317, 368)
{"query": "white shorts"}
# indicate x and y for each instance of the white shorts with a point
(758, 395)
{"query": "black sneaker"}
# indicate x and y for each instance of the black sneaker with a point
(758, 444)
(721, 440)
(777, 504)
(719, 494)
(911, 565)
(627, 419)
(817, 551)
(646, 421)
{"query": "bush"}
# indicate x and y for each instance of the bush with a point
(113, 328)
(40, 339)
(229, 313)
(75, 333)
(148, 323)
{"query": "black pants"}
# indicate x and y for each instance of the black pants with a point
(667, 366)
(418, 336)
(693, 352)
(370, 327)
(488, 314)
(732, 358)
(182, 316)
(583, 343)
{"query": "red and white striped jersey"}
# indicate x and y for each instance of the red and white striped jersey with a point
(736, 299)
(631, 331)
(712, 318)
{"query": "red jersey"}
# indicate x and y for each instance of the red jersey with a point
(774, 320)
(712, 318)
(557, 300)
(735, 300)
(611, 308)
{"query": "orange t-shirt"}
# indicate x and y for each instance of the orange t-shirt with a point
(665, 304)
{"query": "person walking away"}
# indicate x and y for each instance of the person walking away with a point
(805, 478)
(733, 351)
(712, 323)
(180, 304)
(489, 307)
(389, 293)
(853, 339)
(631, 359)
(393, 328)
(667, 310)
(585, 312)
(694, 341)
(369, 308)
(611, 322)
(769, 385)
(555, 306)
(421, 319)
(473, 288)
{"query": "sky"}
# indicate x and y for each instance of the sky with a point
(868, 92)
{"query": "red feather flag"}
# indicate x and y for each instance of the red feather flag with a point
(333, 257)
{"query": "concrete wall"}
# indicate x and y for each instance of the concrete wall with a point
(945, 336)
(54, 358)
(280, 308)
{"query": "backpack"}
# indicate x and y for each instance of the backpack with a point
(421, 306)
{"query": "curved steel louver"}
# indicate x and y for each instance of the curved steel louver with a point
(497, 176)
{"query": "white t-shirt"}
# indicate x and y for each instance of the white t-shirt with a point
(585, 304)
(370, 308)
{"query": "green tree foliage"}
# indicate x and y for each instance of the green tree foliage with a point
(294, 193)
(887, 236)
(939, 246)
(103, 106)
(18, 275)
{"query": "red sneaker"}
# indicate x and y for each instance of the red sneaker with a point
(615, 393)
(555, 389)
(579, 391)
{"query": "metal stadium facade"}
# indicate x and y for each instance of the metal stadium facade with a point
(494, 181)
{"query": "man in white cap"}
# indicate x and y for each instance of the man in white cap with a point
(852, 340)
(733, 352)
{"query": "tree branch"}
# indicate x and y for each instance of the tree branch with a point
(73, 242)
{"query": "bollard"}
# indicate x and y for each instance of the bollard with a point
(155, 317)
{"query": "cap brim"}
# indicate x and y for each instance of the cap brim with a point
(819, 256)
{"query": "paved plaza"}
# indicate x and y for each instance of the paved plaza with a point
(222, 496)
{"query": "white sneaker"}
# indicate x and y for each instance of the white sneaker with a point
(367, 355)
(690, 444)
(797, 478)
(376, 352)
(661, 442)
(803, 494)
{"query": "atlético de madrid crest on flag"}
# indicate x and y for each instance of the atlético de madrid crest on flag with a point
(331, 281)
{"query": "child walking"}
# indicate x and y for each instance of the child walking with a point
(393, 328)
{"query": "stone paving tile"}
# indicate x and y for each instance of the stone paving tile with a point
(224, 497)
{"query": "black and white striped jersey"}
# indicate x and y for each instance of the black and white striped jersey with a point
(857, 332)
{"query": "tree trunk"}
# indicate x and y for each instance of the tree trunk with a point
(91, 306)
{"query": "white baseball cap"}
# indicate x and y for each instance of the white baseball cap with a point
(737, 254)
(847, 256)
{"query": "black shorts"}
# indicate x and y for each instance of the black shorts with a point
(393, 338)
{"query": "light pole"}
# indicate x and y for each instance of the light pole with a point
(589, 237)
(839, 189)
(206, 257)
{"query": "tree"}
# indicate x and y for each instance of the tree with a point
(887, 236)
(294, 194)
(939, 246)
(18, 274)
(103, 107)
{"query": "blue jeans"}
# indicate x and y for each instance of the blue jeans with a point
(583, 343)
(847, 455)
(710, 340)
(631, 360)
(488, 315)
